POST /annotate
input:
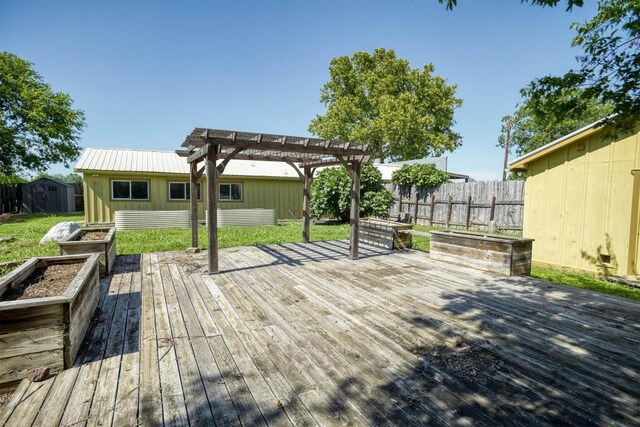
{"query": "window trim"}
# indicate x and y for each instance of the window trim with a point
(131, 199)
(185, 191)
(240, 200)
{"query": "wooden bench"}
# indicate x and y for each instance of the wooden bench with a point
(385, 234)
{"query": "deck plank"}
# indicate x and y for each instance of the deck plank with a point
(299, 334)
(149, 400)
(103, 404)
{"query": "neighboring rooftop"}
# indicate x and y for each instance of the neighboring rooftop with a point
(168, 162)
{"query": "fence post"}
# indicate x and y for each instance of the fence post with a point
(493, 208)
(415, 205)
(399, 191)
(468, 212)
(449, 206)
(431, 209)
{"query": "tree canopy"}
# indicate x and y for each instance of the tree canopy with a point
(534, 124)
(37, 125)
(421, 175)
(570, 3)
(377, 98)
(609, 70)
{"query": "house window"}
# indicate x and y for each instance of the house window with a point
(182, 191)
(129, 190)
(230, 192)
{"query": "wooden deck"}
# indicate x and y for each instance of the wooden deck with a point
(301, 335)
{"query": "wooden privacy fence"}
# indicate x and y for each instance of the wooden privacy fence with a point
(469, 205)
(10, 198)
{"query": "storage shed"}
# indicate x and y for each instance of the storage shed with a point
(582, 201)
(48, 195)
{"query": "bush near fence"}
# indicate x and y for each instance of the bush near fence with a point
(468, 205)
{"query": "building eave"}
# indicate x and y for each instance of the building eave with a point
(521, 162)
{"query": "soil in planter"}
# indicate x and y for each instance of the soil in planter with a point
(48, 281)
(93, 235)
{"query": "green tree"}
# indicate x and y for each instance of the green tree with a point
(37, 125)
(330, 193)
(377, 98)
(534, 124)
(570, 3)
(421, 175)
(609, 70)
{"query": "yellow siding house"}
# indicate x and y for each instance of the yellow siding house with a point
(582, 201)
(122, 179)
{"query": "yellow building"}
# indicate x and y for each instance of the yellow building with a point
(121, 179)
(582, 201)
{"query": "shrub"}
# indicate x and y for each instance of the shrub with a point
(330, 193)
(420, 175)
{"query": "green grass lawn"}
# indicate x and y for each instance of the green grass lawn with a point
(174, 239)
(25, 231)
(584, 281)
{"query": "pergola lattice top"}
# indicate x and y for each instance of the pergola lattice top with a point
(211, 145)
(308, 152)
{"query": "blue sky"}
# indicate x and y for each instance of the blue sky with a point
(147, 72)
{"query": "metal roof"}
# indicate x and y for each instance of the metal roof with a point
(168, 162)
(521, 161)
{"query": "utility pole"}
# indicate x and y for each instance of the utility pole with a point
(506, 149)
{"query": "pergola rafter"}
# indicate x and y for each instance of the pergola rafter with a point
(304, 154)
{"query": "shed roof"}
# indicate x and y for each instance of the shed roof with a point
(168, 162)
(46, 178)
(522, 161)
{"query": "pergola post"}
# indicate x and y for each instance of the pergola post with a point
(354, 218)
(193, 184)
(308, 175)
(212, 207)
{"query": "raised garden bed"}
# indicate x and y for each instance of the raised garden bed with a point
(385, 234)
(46, 305)
(500, 254)
(100, 240)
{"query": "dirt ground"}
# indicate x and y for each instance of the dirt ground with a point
(93, 235)
(48, 281)
(4, 399)
(466, 360)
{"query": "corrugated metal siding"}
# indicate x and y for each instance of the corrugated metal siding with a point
(132, 220)
(578, 195)
(285, 196)
(235, 217)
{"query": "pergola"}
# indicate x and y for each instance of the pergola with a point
(304, 155)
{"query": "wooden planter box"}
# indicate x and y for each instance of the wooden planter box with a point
(385, 234)
(74, 245)
(505, 255)
(45, 331)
